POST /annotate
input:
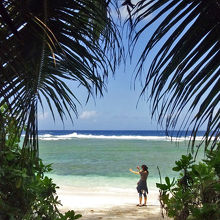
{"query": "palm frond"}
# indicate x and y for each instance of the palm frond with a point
(184, 73)
(45, 43)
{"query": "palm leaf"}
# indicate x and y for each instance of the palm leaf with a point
(44, 44)
(184, 73)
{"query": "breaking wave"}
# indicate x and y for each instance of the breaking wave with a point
(75, 135)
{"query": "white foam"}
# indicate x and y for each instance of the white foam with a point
(74, 135)
(46, 135)
(57, 137)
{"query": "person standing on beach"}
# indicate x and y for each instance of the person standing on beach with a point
(142, 183)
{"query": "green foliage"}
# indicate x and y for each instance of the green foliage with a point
(196, 193)
(25, 192)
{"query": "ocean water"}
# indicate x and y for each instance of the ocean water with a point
(100, 160)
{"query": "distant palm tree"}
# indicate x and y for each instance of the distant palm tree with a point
(43, 43)
(185, 72)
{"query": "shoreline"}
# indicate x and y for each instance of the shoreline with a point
(107, 205)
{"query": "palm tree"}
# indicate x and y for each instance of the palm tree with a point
(43, 44)
(185, 72)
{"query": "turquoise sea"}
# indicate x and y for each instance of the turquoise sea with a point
(101, 159)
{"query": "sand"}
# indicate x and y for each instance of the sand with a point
(112, 204)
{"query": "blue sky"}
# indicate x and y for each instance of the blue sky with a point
(117, 109)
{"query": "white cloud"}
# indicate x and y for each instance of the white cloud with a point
(88, 114)
(43, 115)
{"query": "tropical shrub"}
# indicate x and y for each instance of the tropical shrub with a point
(195, 195)
(25, 192)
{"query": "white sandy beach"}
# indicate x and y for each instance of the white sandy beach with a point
(109, 204)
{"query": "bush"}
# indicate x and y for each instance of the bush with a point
(25, 192)
(195, 194)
